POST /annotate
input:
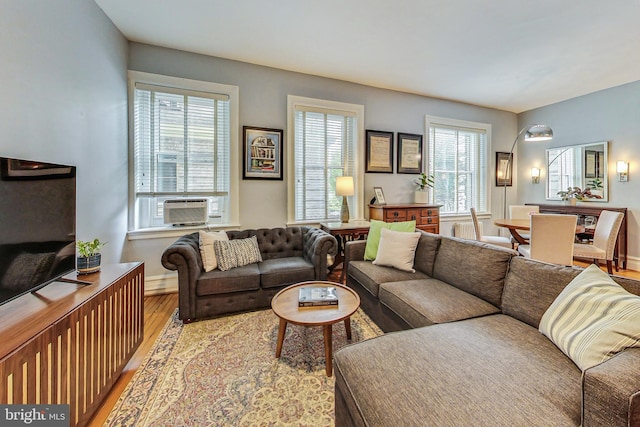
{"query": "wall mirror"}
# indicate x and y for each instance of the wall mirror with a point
(583, 166)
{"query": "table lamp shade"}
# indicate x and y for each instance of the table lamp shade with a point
(344, 186)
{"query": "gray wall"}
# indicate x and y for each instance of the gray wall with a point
(610, 115)
(64, 100)
(263, 103)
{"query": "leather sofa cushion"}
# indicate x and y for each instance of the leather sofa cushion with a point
(274, 242)
(285, 271)
(370, 276)
(475, 267)
(468, 373)
(245, 278)
(429, 301)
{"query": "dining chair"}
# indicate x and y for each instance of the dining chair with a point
(493, 240)
(552, 238)
(604, 240)
(522, 212)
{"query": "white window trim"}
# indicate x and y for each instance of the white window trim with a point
(234, 169)
(435, 120)
(357, 211)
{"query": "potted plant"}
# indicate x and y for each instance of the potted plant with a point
(596, 185)
(89, 257)
(424, 183)
(575, 194)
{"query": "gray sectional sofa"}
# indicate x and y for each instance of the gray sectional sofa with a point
(289, 255)
(467, 350)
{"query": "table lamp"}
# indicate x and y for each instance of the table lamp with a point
(344, 188)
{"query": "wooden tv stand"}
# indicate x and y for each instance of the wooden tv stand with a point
(68, 343)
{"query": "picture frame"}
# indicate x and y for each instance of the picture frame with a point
(379, 152)
(380, 200)
(504, 166)
(409, 153)
(590, 164)
(262, 153)
(19, 170)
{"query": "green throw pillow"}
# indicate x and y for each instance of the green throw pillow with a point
(373, 238)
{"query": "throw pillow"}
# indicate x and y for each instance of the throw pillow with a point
(373, 237)
(592, 319)
(397, 249)
(207, 253)
(237, 252)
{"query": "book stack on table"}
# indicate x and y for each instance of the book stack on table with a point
(317, 296)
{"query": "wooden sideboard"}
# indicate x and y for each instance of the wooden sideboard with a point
(427, 217)
(68, 343)
(594, 209)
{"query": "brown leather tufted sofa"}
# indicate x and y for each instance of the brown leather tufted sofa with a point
(289, 255)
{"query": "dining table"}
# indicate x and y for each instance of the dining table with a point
(522, 224)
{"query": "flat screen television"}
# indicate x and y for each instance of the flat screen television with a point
(37, 225)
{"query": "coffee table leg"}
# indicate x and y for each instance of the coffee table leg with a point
(281, 330)
(328, 349)
(347, 327)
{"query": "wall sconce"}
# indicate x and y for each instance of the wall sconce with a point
(622, 168)
(535, 175)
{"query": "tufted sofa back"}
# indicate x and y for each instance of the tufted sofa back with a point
(275, 242)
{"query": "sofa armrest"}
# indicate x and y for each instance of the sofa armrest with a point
(611, 391)
(183, 255)
(353, 251)
(318, 244)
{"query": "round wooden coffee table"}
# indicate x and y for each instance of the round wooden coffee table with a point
(285, 306)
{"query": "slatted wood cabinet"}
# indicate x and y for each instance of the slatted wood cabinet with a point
(427, 217)
(68, 343)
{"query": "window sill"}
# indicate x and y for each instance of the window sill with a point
(175, 231)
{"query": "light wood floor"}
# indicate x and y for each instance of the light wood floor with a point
(157, 310)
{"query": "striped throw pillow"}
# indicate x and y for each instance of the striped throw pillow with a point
(593, 319)
(236, 253)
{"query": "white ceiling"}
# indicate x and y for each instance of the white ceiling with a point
(514, 55)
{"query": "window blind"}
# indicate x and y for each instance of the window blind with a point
(459, 161)
(181, 148)
(324, 149)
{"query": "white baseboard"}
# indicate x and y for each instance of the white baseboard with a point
(161, 284)
(633, 263)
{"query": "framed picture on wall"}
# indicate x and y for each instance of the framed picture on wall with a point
(379, 156)
(409, 153)
(262, 153)
(503, 169)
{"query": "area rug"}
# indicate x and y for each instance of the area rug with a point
(223, 372)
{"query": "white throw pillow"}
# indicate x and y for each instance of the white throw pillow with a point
(397, 249)
(593, 319)
(207, 253)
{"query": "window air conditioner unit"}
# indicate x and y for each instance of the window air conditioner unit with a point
(185, 211)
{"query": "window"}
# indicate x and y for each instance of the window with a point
(183, 145)
(458, 157)
(324, 141)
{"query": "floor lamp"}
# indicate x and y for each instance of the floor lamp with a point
(532, 133)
